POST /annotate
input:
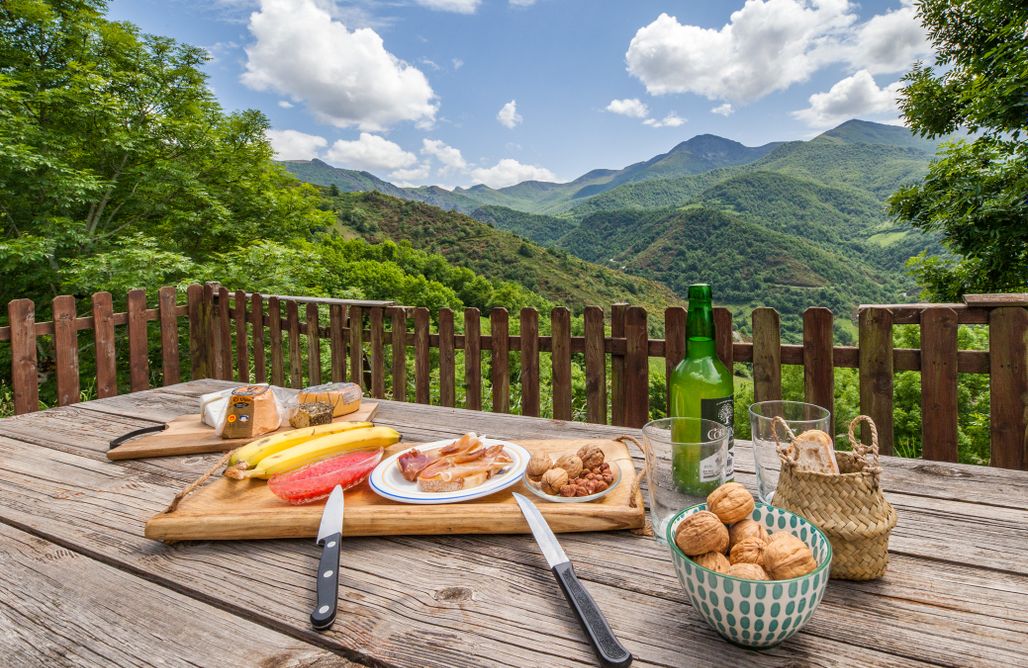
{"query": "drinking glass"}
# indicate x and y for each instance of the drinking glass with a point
(685, 461)
(799, 416)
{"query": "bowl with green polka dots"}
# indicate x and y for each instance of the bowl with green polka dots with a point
(755, 613)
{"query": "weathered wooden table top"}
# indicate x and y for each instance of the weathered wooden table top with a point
(81, 585)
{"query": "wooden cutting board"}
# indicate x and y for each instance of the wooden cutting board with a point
(244, 509)
(188, 435)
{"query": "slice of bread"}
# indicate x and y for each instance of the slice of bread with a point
(813, 451)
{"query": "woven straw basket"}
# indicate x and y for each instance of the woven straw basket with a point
(849, 507)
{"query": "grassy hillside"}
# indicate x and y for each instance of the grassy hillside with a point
(496, 254)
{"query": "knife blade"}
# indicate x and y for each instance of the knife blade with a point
(609, 650)
(330, 534)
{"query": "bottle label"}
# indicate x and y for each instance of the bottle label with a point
(710, 468)
(722, 410)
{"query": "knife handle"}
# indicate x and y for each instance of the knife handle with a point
(328, 583)
(611, 653)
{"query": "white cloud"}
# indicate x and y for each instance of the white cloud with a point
(725, 109)
(295, 145)
(369, 152)
(404, 177)
(672, 120)
(508, 171)
(458, 6)
(522, 3)
(628, 107)
(856, 95)
(769, 45)
(346, 78)
(508, 115)
(449, 156)
(285, 104)
(457, 64)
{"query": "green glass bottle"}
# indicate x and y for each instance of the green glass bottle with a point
(701, 387)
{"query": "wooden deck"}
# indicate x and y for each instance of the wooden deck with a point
(82, 586)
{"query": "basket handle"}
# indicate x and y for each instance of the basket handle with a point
(871, 464)
(784, 451)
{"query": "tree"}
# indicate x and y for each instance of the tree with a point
(976, 192)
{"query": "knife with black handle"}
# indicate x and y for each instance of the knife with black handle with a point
(611, 653)
(330, 535)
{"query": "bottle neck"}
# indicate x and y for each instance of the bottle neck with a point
(699, 330)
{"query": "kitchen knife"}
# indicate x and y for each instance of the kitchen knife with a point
(611, 653)
(330, 534)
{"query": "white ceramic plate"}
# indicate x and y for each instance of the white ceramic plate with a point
(387, 481)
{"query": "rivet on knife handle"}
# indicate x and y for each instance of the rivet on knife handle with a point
(328, 584)
(610, 651)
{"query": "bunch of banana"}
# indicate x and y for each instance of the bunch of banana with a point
(247, 456)
(316, 449)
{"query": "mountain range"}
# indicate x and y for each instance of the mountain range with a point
(787, 224)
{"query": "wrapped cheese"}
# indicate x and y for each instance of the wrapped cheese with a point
(212, 407)
(344, 398)
(311, 414)
(252, 411)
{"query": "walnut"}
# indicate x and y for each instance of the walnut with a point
(747, 572)
(596, 486)
(731, 502)
(786, 557)
(591, 456)
(744, 529)
(700, 533)
(749, 551)
(715, 561)
(570, 463)
(553, 480)
(538, 465)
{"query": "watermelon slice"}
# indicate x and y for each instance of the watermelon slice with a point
(316, 481)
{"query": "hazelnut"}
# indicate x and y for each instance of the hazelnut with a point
(731, 502)
(749, 551)
(786, 557)
(591, 456)
(744, 529)
(715, 561)
(700, 533)
(570, 463)
(553, 480)
(747, 572)
(538, 465)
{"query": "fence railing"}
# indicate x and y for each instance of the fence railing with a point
(231, 335)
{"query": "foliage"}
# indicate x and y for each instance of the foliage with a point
(976, 192)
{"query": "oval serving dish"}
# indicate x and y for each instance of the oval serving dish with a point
(535, 489)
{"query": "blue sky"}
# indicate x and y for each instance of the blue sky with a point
(456, 92)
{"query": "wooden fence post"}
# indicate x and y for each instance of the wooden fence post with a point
(66, 350)
(473, 359)
(767, 355)
(674, 346)
(377, 352)
(399, 336)
(167, 305)
(257, 329)
(199, 326)
(617, 365)
(213, 342)
(595, 366)
(356, 345)
(723, 337)
(337, 342)
(21, 313)
(422, 363)
(447, 357)
(224, 334)
(1008, 386)
(939, 384)
(876, 374)
(275, 336)
(242, 345)
(500, 333)
(139, 353)
(560, 330)
(818, 372)
(313, 346)
(103, 336)
(529, 361)
(637, 368)
(295, 361)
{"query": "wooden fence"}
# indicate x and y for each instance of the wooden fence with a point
(229, 333)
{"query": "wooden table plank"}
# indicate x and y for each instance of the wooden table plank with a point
(59, 607)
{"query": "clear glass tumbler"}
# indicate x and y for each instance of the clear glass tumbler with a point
(799, 416)
(685, 461)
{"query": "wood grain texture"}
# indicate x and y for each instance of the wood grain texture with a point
(876, 374)
(472, 359)
(939, 384)
(356, 321)
(295, 359)
(723, 336)
(399, 338)
(767, 362)
(275, 339)
(375, 317)
(637, 369)
(66, 350)
(337, 341)
(103, 339)
(242, 339)
(139, 362)
(198, 326)
(314, 346)
(422, 361)
(21, 313)
(529, 333)
(595, 366)
(1008, 389)
(674, 346)
(260, 373)
(818, 372)
(500, 374)
(560, 331)
(617, 365)
(447, 359)
(167, 305)
(224, 334)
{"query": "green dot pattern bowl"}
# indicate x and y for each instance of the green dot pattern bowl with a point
(755, 613)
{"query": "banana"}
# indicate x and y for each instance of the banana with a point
(250, 454)
(318, 449)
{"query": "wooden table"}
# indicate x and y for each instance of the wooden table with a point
(81, 585)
